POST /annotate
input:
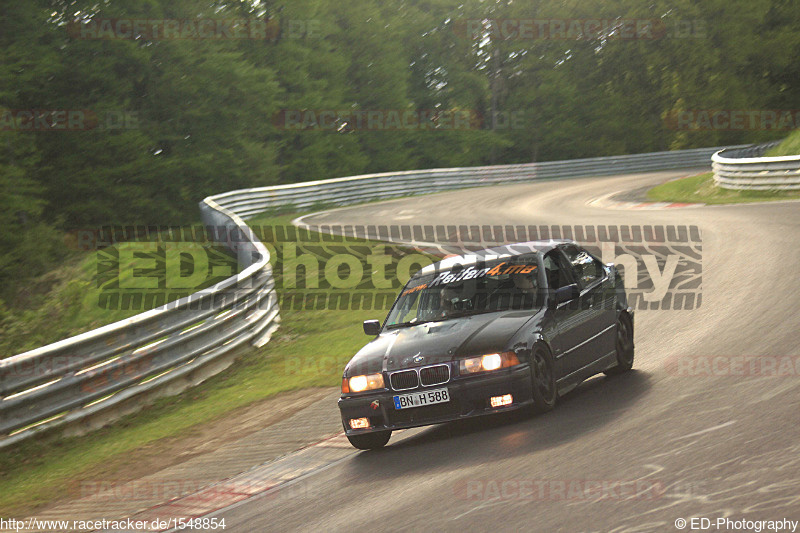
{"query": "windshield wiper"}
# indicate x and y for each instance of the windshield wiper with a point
(459, 314)
(404, 324)
(453, 314)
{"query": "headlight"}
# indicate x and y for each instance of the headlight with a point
(362, 383)
(488, 362)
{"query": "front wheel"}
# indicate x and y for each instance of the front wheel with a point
(543, 378)
(370, 441)
(624, 346)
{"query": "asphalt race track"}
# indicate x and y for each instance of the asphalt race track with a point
(632, 453)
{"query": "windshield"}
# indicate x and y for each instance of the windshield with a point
(467, 290)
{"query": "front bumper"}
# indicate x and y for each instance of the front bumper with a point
(469, 397)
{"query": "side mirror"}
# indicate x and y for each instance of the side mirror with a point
(567, 293)
(372, 327)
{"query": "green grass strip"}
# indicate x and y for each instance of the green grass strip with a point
(309, 350)
(701, 189)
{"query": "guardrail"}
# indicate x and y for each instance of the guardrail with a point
(92, 378)
(89, 379)
(368, 187)
(745, 169)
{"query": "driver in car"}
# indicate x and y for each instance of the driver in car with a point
(524, 282)
(448, 298)
(525, 285)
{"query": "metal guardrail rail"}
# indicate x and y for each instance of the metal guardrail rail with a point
(746, 169)
(342, 191)
(157, 352)
(75, 379)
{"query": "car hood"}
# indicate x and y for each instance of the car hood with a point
(436, 342)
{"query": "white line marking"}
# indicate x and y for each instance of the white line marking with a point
(707, 430)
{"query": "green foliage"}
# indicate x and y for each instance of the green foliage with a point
(789, 146)
(702, 189)
(302, 354)
(76, 296)
(179, 119)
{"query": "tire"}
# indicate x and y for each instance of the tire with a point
(624, 346)
(370, 441)
(543, 380)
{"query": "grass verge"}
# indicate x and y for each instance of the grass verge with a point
(309, 350)
(701, 189)
(789, 146)
(99, 287)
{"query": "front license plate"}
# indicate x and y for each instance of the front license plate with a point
(420, 399)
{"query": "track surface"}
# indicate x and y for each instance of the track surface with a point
(703, 446)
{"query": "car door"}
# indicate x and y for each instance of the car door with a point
(566, 316)
(598, 316)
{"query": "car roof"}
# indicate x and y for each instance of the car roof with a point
(498, 252)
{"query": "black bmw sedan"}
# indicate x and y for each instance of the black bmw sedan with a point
(486, 332)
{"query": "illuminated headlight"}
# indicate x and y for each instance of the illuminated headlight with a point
(362, 383)
(488, 362)
(492, 361)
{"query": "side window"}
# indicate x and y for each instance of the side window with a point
(555, 272)
(587, 269)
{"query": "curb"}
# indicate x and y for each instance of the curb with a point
(608, 202)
